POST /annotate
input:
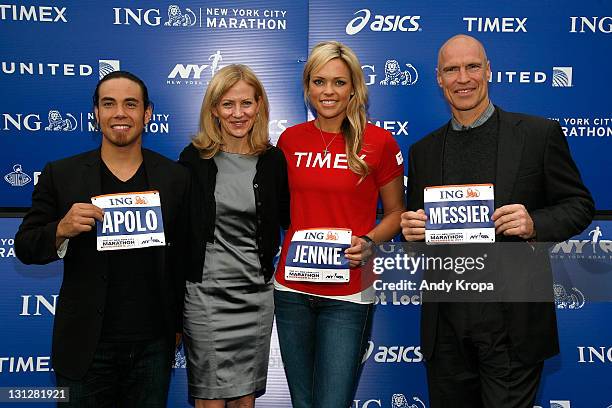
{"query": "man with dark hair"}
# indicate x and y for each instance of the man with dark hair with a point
(491, 354)
(119, 311)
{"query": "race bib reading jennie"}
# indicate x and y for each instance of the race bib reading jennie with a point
(317, 255)
(459, 214)
(131, 220)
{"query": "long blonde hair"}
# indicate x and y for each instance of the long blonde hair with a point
(354, 125)
(209, 138)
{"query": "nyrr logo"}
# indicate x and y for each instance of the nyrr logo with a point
(393, 354)
(17, 178)
(382, 23)
(496, 24)
(43, 14)
(594, 354)
(152, 17)
(592, 24)
(562, 77)
(192, 74)
(563, 300)
(584, 248)
(395, 74)
(36, 305)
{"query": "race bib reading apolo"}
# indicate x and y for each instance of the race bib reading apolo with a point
(317, 255)
(459, 214)
(131, 220)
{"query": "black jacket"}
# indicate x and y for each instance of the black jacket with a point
(82, 297)
(272, 207)
(534, 168)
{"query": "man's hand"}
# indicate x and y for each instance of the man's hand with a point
(413, 225)
(80, 218)
(178, 337)
(514, 220)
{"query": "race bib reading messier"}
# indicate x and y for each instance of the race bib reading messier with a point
(131, 220)
(459, 214)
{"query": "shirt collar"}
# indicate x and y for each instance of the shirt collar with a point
(478, 122)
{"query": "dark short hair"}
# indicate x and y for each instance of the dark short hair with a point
(127, 75)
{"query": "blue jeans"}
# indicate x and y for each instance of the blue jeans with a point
(123, 375)
(322, 343)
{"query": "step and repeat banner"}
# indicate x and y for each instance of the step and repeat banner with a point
(547, 59)
(393, 374)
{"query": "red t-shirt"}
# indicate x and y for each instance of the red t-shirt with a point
(325, 193)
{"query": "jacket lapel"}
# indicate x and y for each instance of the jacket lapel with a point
(509, 152)
(91, 176)
(155, 179)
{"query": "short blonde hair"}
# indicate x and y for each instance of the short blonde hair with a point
(354, 125)
(209, 138)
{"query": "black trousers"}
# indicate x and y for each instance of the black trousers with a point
(473, 365)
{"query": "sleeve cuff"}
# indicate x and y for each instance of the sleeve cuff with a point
(63, 248)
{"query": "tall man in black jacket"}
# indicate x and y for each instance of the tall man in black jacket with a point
(118, 312)
(491, 354)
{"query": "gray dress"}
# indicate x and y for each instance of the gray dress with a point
(228, 316)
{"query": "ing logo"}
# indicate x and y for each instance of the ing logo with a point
(331, 236)
(472, 193)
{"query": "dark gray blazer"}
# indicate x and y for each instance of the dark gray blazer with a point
(534, 168)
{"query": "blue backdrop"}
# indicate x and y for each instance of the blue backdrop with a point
(547, 58)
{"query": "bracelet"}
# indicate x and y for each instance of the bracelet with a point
(367, 239)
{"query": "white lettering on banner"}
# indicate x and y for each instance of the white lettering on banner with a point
(382, 23)
(397, 300)
(40, 68)
(246, 23)
(496, 24)
(393, 354)
(38, 301)
(592, 24)
(25, 364)
(397, 128)
(7, 252)
(43, 14)
(589, 127)
(594, 354)
(17, 121)
(339, 160)
(185, 71)
(124, 16)
(524, 77)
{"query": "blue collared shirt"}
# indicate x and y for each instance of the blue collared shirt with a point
(482, 119)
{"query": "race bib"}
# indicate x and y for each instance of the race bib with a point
(131, 220)
(317, 255)
(459, 214)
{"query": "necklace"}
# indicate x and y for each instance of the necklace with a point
(326, 145)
